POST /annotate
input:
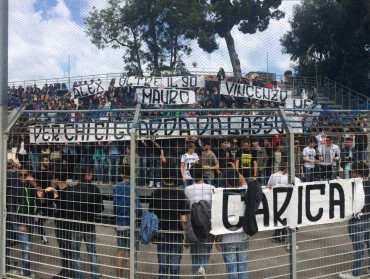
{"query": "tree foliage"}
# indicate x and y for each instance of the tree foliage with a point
(336, 36)
(249, 16)
(154, 33)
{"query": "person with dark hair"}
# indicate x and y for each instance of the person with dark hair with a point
(267, 144)
(24, 194)
(209, 163)
(246, 161)
(121, 205)
(348, 155)
(200, 253)
(87, 202)
(187, 161)
(234, 245)
(309, 158)
(224, 157)
(262, 160)
(169, 204)
(359, 225)
(42, 178)
(62, 211)
(278, 178)
(329, 158)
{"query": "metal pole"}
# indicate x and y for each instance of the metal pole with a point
(69, 71)
(267, 66)
(4, 10)
(133, 168)
(317, 79)
(291, 176)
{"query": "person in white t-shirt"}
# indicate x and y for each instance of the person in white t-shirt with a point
(309, 158)
(187, 161)
(329, 158)
(280, 177)
(200, 252)
(234, 245)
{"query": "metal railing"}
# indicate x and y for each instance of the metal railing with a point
(343, 95)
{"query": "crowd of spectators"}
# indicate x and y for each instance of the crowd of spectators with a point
(325, 151)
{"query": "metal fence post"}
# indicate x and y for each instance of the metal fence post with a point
(291, 175)
(4, 10)
(133, 168)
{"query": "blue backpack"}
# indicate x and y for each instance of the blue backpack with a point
(148, 227)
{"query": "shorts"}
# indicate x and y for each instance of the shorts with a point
(123, 240)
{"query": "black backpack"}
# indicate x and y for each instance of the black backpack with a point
(199, 225)
(252, 202)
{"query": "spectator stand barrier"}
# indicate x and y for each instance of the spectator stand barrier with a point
(154, 143)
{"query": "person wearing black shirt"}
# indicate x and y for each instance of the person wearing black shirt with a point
(224, 157)
(169, 204)
(246, 161)
(42, 178)
(87, 202)
(359, 226)
(24, 195)
(62, 211)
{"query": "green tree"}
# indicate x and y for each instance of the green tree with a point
(154, 33)
(118, 26)
(249, 16)
(333, 36)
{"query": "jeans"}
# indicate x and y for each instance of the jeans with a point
(64, 242)
(235, 257)
(35, 159)
(90, 241)
(114, 163)
(154, 169)
(142, 179)
(25, 240)
(262, 179)
(308, 173)
(98, 169)
(359, 232)
(334, 172)
(347, 174)
(169, 258)
(200, 254)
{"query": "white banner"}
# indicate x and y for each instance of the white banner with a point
(162, 82)
(175, 82)
(303, 204)
(247, 91)
(292, 103)
(166, 96)
(159, 127)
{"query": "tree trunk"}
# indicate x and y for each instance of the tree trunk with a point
(235, 62)
(136, 49)
(154, 45)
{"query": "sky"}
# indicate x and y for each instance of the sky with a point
(47, 40)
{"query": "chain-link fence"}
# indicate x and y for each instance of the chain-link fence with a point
(77, 192)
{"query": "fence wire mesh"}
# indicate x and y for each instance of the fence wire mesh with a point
(211, 118)
(69, 193)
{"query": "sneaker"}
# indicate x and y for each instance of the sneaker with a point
(288, 247)
(151, 184)
(158, 184)
(62, 274)
(347, 275)
(44, 240)
(15, 272)
(201, 273)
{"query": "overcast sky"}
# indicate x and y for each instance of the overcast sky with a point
(43, 33)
